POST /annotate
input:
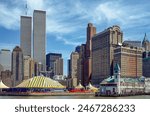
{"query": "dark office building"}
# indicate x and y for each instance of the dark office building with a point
(50, 60)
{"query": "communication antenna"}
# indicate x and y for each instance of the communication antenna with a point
(26, 8)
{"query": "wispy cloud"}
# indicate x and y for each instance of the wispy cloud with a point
(69, 16)
(9, 17)
(116, 12)
(67, 41)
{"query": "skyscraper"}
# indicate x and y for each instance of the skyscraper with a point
(69, 68)
(103, 45)
(58, 67)
(17, 66)
(39, 37)
(50, 59)
(81, 65)
(74, 67)
(91, 31)
(26, 35)
(5, 59)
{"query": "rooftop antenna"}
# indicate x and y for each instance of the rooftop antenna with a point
(26, 8)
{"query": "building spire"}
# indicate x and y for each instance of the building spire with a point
(26, 8)
(145, 38)
(116, 68)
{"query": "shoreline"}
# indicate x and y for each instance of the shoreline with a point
(120, 95)
(48, 94)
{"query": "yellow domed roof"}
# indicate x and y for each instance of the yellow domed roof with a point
(40, 82)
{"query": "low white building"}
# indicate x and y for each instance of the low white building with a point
(122, 85)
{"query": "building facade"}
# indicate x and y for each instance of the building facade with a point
(26, 35)
(103, 45)
(81, 65)
(5, 59)
(6, 77)
(146, 64)
(58, 67)
(116, 84)
(74, 69)
(91, 31)
(133, 43)
(69, 68)
(146, 57)
(39, 37)
(17, 66)
(129, 60)
(28, 67)
(50, 60)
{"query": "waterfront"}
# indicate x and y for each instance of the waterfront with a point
(74, 97)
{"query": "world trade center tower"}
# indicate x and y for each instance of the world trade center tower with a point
(39, 37)
(26, 35)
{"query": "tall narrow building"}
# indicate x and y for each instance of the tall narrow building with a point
(58, 67)
(39, 37)
(17, 66)
(74, 68)
(50, 59)
(81, 65)
(26, 35)
(91, 31)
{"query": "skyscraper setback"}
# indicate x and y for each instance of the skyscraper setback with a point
(39, 37)
(26, 35)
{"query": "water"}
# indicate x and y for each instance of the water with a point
(73, 97)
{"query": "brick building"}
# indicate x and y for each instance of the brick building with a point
(129, 60)
(103, 45)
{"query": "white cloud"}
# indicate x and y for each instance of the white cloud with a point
(67, 41)
(9, 17)
(116, 12)
(67, 17)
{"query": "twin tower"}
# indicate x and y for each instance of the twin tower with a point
(35, 47)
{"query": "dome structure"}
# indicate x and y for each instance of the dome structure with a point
(40, 82)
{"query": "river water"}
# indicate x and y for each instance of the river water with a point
(73, 97)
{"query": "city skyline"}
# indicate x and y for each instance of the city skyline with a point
(66, 26)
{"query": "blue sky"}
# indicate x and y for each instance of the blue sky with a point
(67, 21)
